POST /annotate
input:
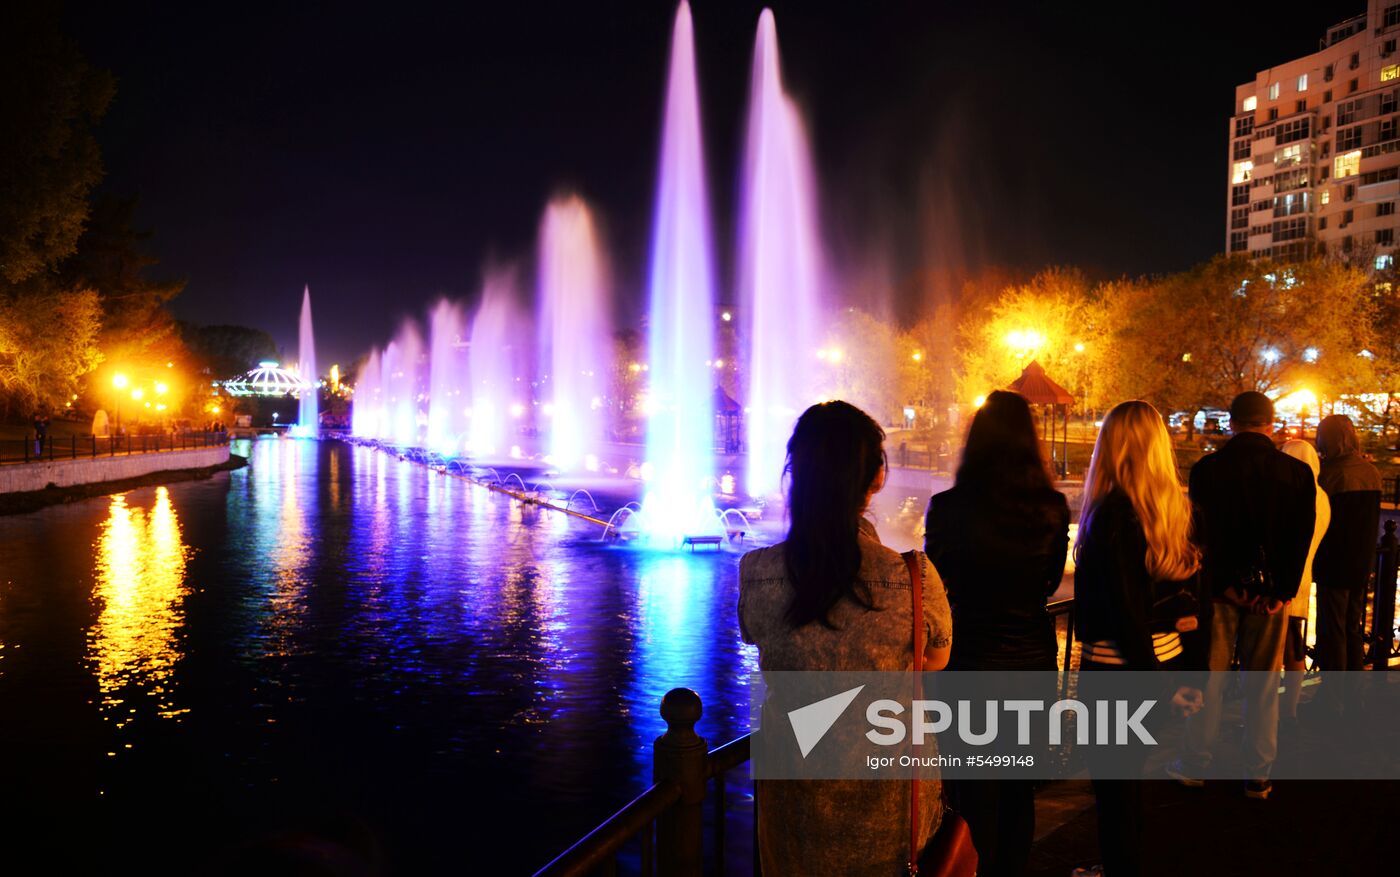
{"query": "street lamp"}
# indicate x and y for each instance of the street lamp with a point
(119, 383)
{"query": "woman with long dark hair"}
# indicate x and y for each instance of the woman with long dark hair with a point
(998, 538)
(831, 597)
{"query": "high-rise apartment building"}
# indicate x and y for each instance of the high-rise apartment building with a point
(1314, 149)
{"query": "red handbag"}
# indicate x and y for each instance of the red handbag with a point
(949, 853)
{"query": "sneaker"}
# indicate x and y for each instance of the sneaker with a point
(1177, 770)
(1258, 789)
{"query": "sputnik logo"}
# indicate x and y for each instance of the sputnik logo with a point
(811, 722)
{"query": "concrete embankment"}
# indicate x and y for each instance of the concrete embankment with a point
(25, 487)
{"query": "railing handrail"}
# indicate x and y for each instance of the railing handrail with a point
(594, 848)
(660, 800)
(74, 447)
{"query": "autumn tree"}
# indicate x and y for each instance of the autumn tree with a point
(48, 338)
(1055, 319)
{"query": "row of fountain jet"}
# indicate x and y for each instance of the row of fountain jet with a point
(467, 388)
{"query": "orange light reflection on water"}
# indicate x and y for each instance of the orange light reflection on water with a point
(140, 584)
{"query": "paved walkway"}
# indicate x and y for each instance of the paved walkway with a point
(1340, 827)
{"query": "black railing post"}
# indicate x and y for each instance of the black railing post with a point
(679, 756)
(1383, 611)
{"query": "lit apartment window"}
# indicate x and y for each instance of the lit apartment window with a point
(1273, 91)
(1303, 82)
(1244, 170)
(1384, 262)
(1251, 104)
(1289, 155)
(1346, 165)
(1390, 72)
(1326, 197)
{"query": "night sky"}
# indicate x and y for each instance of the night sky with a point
(384, 156)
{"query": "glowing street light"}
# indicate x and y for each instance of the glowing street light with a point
(161, 389)
(119, 381)
(979, 401)
(917, 356)
(136, 394)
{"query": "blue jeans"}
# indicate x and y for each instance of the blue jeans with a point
(1258, 641)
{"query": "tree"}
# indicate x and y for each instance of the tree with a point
(49, 159)
(226, 351)
(48, 339)
(856, 363)
(137, 330)
(1055, 319)
(1199, 338)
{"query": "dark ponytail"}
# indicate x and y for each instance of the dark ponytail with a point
(835, 454)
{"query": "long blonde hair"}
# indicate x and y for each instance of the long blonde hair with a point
(1134, 454)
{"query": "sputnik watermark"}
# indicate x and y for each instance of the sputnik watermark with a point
(1112, 721)
(1050, 725)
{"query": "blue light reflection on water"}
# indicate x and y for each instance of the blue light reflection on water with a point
(344, 630)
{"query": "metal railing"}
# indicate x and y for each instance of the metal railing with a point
(32, 450)
(1380, 608)
(668, 818)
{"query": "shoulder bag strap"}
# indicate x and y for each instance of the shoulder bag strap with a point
(916, 581)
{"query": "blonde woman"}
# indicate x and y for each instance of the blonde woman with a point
(1295, 644)
(1136, 593)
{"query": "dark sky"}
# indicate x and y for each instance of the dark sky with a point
(384, 155)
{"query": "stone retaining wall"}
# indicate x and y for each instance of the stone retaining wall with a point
(24, 477)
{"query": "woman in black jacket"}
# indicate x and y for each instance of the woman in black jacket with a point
(1136, 590)
(1344, 560)
(998, 538)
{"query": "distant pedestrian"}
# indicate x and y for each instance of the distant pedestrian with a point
(1256, 507)
(1137, 594)
(1344, 560)
(41, 432)
(1295, 641)
(998, 538)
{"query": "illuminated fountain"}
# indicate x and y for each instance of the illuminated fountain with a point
(680, 434)
(308, 407)
(447, 367)
(367, 413)
(496, 400)
(399, 369)
(573, 332)
(779, 267)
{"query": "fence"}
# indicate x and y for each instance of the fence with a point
(1380, 634)
(31, 450)
(668, 819)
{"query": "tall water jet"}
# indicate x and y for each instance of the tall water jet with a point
(573, 331)
(369, 399)
(496, 394)
(780, 271)
(308, 407)
(447, 377)
(401, 388)
(680, 435)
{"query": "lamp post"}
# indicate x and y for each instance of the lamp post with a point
(119, 382)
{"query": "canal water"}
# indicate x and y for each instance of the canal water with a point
(335, 643)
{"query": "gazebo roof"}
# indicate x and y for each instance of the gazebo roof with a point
(725, 404)
(1037, 388)
(268, 379)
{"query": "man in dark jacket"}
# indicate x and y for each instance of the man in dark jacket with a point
(1255, 507)
(1345, 558)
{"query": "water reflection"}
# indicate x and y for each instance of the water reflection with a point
(134, 644)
